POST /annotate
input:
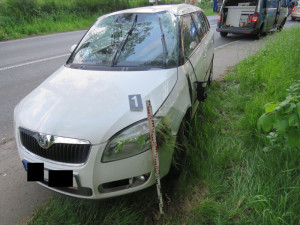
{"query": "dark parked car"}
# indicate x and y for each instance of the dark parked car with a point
(253, 17)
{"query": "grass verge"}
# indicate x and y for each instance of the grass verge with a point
(22, 18)
(227, 177)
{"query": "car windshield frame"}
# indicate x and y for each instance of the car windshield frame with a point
(143, 34)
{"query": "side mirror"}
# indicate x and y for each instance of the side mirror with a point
(72, 48)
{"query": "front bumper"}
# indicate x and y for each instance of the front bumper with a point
(97, 180)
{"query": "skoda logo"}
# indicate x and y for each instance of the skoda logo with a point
(44, 140)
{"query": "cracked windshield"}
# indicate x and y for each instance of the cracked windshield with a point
(129, 39)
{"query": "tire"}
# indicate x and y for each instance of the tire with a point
(293, 18)
(281, 25)
(259, 33)
(223, 34)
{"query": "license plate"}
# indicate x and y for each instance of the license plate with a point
(46, 174)
(46, 178)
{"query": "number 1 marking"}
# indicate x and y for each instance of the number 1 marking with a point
(135, 101)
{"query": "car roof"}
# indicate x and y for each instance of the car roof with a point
(177, 9)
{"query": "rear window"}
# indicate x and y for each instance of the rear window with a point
(244, 2)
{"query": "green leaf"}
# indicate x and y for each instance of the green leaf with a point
(265, 123)
(141, 140)
(293, 119)
(270, 107)
(298, 109)
(281, 126)
(286, 107)
(293, 135)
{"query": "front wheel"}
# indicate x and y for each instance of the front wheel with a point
(223, 34)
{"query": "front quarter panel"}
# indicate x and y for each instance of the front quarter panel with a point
(178, 102)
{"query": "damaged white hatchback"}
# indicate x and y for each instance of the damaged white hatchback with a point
(90, 118)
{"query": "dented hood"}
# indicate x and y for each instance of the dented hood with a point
(92, 105)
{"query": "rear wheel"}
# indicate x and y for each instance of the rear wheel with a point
(223, 34)
(293, 18)
(260, 32)
(281, 25)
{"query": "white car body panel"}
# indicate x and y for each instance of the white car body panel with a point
(96, 100)
(94, 106)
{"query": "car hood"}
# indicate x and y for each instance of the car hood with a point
(92, 105)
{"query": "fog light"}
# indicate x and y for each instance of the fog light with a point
(123, 184)
(141, 178)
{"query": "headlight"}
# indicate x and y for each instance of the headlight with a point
(132, 141)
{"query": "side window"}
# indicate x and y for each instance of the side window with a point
(200, 25)
(272, 3)
(205, 21)
(189, 35)
(284, 3)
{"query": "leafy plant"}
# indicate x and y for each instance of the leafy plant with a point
(282, 120)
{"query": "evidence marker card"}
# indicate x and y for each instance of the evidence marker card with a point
(60, 178)
(135, 102)
(35, 172)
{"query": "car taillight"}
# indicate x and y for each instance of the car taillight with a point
(294, 8)
(254, 17)
(219, 18)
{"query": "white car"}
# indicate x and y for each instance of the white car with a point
(295, 12)
(90, 115)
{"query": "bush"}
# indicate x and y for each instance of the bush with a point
(21, 10)
(282, 120)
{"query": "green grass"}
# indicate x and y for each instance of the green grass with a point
(227, 177)
(47, 26)
(207, 7)
(22, 18)
(209, 11)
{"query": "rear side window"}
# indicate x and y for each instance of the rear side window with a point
(200, 25)
(205, 21)
(189, 35)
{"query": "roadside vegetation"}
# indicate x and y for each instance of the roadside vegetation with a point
(207, 7)
(232, 173)
(21, 18)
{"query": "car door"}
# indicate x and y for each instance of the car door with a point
(208, 43)
(283, 11)
(271, 13)
(194, 64)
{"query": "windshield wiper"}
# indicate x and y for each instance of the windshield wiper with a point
(119, 50)
(163, 40)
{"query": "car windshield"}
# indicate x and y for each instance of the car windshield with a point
(130, 40)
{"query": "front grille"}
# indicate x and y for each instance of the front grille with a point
(60, 152)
